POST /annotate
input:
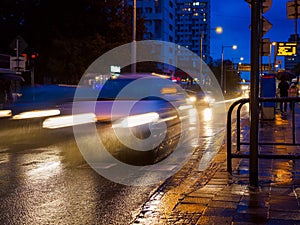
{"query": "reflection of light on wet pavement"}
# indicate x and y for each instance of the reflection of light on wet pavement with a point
(208, 132)
(207, 114)
(283, 177)
(212, 133)
(4, 158)
(283, 172)
(216, 140)
(205, 160)
(45, 170)
(193, 116)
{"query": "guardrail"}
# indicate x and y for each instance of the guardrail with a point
(239, 104)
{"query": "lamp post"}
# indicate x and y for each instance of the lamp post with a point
(133, 59)
(270, 64)
(223, 78)
(218, 30)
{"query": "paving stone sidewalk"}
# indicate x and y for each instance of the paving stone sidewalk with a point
(216, 197)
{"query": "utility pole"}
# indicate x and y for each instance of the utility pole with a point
(254, 90)
(133, 66)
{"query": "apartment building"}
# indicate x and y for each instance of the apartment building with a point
(184, 22)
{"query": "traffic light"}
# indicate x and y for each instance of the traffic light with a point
(25, 56)
(34, 55)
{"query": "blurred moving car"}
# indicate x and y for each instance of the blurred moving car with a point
(39, 101)
(140, 118)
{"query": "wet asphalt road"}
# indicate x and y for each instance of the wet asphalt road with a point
(45, 180)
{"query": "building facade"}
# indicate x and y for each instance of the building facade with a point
(291, 61)
(193, 26)
(184, 22)
(159, 17)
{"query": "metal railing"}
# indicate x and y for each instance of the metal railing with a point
(240, 103)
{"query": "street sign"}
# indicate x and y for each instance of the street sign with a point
(17, 63)
(286, 48)
(266, 26)
(18, 44)
(266, 47)
(266, 5)
(293, 9)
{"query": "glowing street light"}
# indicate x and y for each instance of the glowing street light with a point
(223, 78)
(240, 60)
(218, 30)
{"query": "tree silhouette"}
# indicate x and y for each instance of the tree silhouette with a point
(68, 35)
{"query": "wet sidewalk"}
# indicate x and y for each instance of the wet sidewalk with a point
(214, 196)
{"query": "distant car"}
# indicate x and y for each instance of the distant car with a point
(200, 97)
(131, 108)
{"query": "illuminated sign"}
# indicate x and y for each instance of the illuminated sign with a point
(286, 49)
(247, 67)
(115, 69)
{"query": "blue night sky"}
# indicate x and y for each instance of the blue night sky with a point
(235, 18)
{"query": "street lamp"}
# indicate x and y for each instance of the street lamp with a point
(223, 78)
(270, 64)
(218, 30)
(133, 59)
(239, 63)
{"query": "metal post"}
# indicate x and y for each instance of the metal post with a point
(201, 57)
(269, 58)
(223, 76)
(296, 20)
(133, 66)
(17, 52)
(275, 55)
(292, 104)
(222, 69)
(254, 90)
(32, 76)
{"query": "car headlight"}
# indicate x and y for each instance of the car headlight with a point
(70, 120)
(36, 114)
(136, 120)
(208, 99)
(5, 113)
(192, 99)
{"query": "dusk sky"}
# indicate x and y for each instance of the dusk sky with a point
(235, 17)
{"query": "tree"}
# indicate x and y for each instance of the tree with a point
(232, 76)
(68, 35)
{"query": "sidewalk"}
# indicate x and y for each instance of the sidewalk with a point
(216, 197)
